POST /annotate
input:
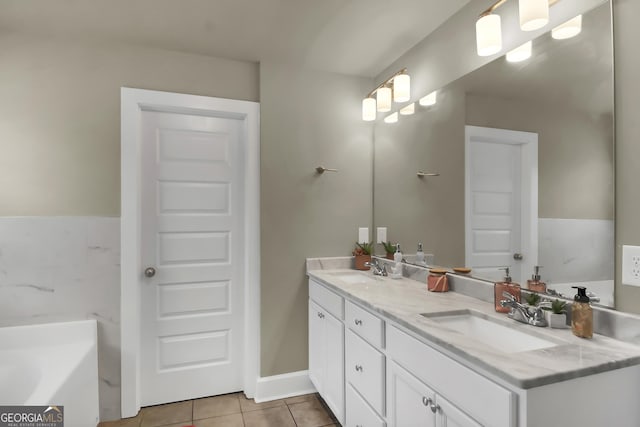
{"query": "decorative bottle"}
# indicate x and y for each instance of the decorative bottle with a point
(505, 286)
(535, 284)
(581, 314)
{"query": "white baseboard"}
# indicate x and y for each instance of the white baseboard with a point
(282, 386)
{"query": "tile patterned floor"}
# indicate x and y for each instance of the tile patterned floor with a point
(234, 410)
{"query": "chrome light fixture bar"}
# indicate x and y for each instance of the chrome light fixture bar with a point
(534, 14)
(396, 88)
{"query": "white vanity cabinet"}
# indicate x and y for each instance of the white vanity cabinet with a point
(326, 346)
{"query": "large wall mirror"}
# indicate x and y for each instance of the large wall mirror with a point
(498, 201)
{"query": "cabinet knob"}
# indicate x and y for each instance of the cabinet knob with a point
(149, 272)
(426, 401)
(320, 315)
(435, 408)
(357, 322)
(359, 368)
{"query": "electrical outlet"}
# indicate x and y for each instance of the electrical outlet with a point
(631, 265)
(381, 234)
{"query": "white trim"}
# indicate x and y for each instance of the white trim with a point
(283, 386)
(529, 189)
(133, 102)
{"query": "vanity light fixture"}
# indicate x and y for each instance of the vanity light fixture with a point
(391, 118)
(408, 110)
(520, 53)
(534, 14)
(569, 29)
(396, 88)
(428, 100)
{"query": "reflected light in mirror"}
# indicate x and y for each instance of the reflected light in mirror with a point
(520, 53)
(391, 118)
(534, 14)
(384, 99)
(428, 100)
(368, 109)
(569, 29)
(408, 110)
(402, 88)
(488, 35)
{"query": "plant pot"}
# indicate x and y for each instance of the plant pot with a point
(360, 260)
(558, 321)
(390, 255)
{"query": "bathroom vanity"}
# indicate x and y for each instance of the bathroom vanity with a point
(385, 352)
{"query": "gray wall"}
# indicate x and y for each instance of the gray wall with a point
(308, 119)
(626, 34)
(429, 210)
(60, 109)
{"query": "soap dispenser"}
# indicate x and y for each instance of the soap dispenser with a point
(581, 314)
(535, 284)
(505, 286)
(397, 259)
(420, 255)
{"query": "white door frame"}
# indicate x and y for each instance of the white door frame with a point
(529, 189)
(133, 103)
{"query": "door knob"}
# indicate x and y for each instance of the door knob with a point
(518, 257)
(149, 272)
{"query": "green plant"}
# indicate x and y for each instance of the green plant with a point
(533, 299)
(363, 248)
(389, 247)
(558, 306)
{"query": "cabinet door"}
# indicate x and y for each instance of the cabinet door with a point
(333, 392)
(408, 399)
(317, 346)
(448, 415)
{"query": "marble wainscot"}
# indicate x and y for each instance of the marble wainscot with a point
(404, 300)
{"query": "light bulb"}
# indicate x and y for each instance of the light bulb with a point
(427, 100)
(402, 88)
(383, 96)
(534, 14)
(408, 110)
(488, 35)
(368, 109)
(391, 118)
(569, 29)
(520, 53)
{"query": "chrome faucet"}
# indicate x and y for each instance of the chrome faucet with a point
(377, 269)
(521, 313)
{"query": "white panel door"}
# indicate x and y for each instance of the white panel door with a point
(494, 170)
(192, 234)
(501, 202)
(450, 416)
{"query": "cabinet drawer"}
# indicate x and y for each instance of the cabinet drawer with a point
(328, 300)
(364, 368)
(367, 325)
(359, 413)
(486, 401)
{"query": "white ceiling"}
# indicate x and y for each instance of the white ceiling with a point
(359, 37)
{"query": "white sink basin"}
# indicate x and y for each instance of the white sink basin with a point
(354, 277)
(490, 332)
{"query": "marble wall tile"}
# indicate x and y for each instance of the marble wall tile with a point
(66, 268)
(576, 250)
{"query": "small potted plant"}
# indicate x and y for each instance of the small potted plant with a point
(390, 249)
(362, 255)
(558, 315)
(533, 299)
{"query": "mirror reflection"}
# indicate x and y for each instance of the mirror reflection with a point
(524, 153)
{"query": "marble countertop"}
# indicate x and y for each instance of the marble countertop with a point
(404, 300)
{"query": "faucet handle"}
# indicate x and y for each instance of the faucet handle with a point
(508, 296)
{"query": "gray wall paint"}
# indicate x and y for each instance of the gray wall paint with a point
(626, 34)
(60, 109)
(429, 210)
(575, 153)
(308, 119)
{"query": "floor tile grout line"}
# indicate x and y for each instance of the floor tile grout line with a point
(291, 413)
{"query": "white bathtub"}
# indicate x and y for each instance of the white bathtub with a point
(602, 288)
(52, 364)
